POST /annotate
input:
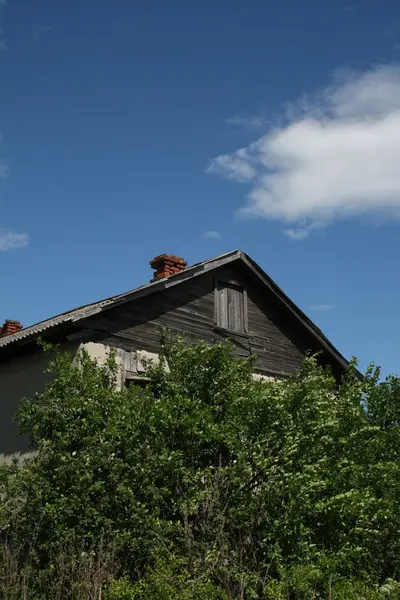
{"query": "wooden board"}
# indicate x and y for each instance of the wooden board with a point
(189, 310)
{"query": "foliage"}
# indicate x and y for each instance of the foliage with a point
(213, 485)
(167, 580)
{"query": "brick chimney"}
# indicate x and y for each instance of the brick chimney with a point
(10, 327)
(166, 265)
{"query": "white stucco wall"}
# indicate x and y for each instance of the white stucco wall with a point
(137, 361)
(101, 353)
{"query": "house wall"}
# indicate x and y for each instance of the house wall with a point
(135, 330)
(188, 310)
(21, 377)
(25, 375)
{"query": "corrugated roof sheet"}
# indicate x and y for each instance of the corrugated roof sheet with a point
(71, 315)
(84, 311)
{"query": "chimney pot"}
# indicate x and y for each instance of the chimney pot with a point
(10, 327)
(166, 265)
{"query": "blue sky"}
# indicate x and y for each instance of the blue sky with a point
(134, 128)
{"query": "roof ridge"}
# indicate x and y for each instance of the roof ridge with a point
(82, 310)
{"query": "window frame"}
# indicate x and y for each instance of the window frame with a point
(233, 285)
(139, 381)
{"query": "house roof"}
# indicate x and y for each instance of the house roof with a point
(82, 312)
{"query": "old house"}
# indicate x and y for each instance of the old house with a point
(229, 296)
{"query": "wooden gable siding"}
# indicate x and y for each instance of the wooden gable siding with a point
(269, 336)
(188, 309)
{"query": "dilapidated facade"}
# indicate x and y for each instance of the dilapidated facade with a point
(229, 296)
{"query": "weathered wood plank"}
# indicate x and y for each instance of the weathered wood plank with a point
(191, 310)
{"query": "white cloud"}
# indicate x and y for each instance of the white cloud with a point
(211, 235)
(10, 240)
(321, 307)
(236, 166)
(335, 157)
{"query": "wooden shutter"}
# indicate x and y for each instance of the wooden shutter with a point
(230, 307)
(221, 304)
(235, 309)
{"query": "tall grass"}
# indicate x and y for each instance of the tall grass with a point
(73, 573)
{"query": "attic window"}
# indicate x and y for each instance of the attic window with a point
(136, 380)
(231, 307)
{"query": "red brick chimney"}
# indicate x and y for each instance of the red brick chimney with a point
(166, 265)
(10, 327)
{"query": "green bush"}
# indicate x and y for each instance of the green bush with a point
(209, 484)
(167, 580)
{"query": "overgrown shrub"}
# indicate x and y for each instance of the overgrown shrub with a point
(209, 484)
